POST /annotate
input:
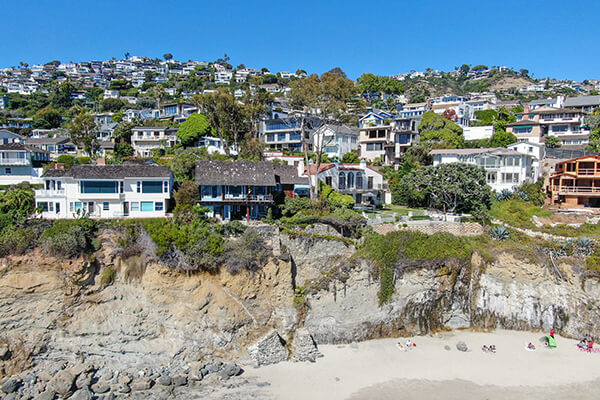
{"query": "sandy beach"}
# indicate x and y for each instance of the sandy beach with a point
(377, 369)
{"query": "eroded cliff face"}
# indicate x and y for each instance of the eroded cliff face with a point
(151, 315)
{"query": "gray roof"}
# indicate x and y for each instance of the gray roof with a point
(288, 175)
(51, 140)
(153, 128)
(110, 172)
(582, 101)
(12, 133)
(542, 101)
(252, 173)
(340, 128)
(21, 146)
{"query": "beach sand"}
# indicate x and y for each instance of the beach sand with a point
(377, 369)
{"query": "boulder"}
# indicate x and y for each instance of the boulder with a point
(10, 385)
(229, 370)
(164, 380)
(62, 383)
(83, 394)
(47, 395)
(100, 387)
(141, 384)
(179, 380)
(124, 378)
(462, 346)
(4, 352)
(269, 350)
(83, 381)
(123, 388)
(304, 347)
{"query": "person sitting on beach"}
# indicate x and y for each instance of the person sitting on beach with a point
(485, 349)
(492, 348)
(531, 346)
(409, 345)
(552, 333)
(582, 345)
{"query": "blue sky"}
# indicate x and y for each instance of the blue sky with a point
(554, 38)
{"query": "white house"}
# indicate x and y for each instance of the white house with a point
(21, 163)
(105, 191)
(478, 132)
(223, 77)
(336, 140)
(214, 145)
(363, 182)
(10, 137)
(146, 138)
(505, 168)
(536, 150)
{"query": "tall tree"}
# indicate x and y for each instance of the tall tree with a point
(256, 107)
(168, 56)
(47, 118)
(83, 133)
(193, 128)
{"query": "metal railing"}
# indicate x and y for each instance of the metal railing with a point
(575, 189)
(50, 192)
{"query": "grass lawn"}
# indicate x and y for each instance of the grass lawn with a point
(390, 209)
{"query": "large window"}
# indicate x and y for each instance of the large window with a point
(147, 206)
(211, 192)
(152, 186)
(158, 206)
(99, 186)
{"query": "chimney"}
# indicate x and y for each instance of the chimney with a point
(59, 166)
(101, 161)
(526, 112)
(363, 163)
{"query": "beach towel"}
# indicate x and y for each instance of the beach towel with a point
(551, 342)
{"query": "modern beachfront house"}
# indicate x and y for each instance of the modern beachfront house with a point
(105, 191)
(504, 168)
(146, 138)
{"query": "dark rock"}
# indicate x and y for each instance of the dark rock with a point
(164, 380)
(100, 387)
(4, 352)
(446, 347)
(179, 380)
(30, 379)
(462, 346)
(11, 385)
(231, 369)
(269, 350)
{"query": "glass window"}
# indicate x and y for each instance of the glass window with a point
(42, 205)
(139, 186)
(166, 186)
(71, 209)
(105, 206)
(135, 206)
(146, 206)
(99, 187)
(152, 187)
(158, 206)
(281, 137)
(78, 206)
(7, 171)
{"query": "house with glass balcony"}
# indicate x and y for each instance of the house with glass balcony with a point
(286, 134)
(504, 168)
(575, 183)
(385, 136)
(335, 140)
(146, 138)
(105, 191)
(21, 163)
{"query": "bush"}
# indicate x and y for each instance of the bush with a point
(67, 160)
(69, 238)
(187, 194)
(16, 241)
(503, 195)
(333, 198)
(294, 205)
(249, 252)
(84, 160)
(234, 228)
(108, 276)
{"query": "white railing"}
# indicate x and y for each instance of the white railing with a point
(49, 193)
(14, 161)
(576, 189)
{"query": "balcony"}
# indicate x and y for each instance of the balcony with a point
(588, 190)
(251, 197)
(49, 193)
(15, 161)
(587, 171)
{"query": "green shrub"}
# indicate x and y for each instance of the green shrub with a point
(84, 160)
(333, 198)
(16, 241)
(234, 228)
(108, 276)
(295, 205)
(69, 238)
(67, 160)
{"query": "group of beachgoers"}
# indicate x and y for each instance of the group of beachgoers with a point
(585, 344)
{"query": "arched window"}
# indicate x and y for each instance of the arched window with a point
(359, 180)
(350, 180)
(342, 181)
